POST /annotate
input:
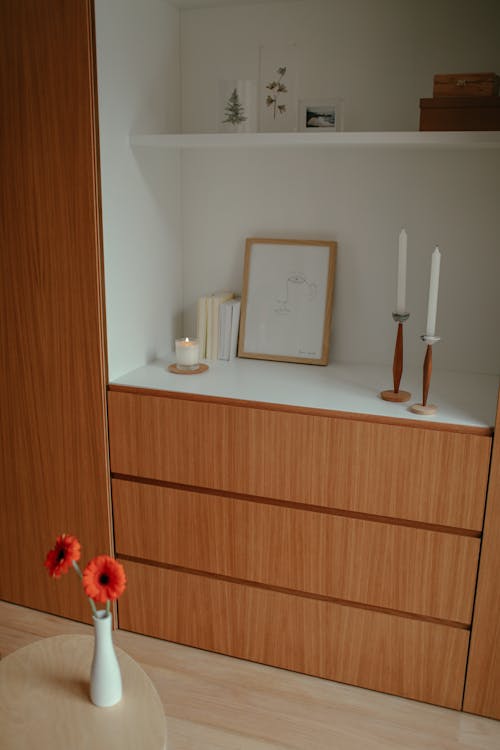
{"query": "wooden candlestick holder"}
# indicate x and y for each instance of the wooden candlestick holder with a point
(397, 365)
(425, 408)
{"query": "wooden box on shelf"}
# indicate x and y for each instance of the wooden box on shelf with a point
(460, 113)
(466, 84)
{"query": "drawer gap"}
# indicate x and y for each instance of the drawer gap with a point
(295, 592)
(301, 506)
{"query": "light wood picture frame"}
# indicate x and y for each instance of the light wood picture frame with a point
(287, 300)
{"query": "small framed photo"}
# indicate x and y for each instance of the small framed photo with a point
(287, 299)
(319, 115)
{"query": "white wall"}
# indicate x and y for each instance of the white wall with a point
(138, 86)
(175, 223)
(361, 198)
(381, 57)
(378, 55)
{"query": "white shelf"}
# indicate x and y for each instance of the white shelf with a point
(464, 399)
(462, 140)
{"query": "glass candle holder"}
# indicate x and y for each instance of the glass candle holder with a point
(187, 353)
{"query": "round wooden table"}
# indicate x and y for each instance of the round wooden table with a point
(45, 703)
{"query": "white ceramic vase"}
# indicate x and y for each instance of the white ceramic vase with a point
(105, 676)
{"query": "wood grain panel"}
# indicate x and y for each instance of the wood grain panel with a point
(396, 567)
(391, 470)
(415, 659)
(53, 444)
(482, 690)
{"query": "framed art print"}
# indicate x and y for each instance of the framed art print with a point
(277, 89)
(287, 300)
(320, 115)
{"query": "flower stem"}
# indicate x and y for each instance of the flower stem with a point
(79, 574)
(77, 569)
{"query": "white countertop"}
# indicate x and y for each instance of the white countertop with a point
(465, 399)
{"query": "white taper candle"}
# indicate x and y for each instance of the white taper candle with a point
(401, 291)
(433, 293)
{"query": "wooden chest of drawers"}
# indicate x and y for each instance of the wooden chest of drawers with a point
(356, 465)
(408, 657)
(338, 546)
(385, 565)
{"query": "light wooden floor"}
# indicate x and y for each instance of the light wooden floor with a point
(213, 702)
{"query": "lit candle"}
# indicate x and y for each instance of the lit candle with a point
(433, 293)
(187, 353)
(401, 293)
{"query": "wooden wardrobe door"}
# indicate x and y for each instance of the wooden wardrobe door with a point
(53, 439)
(482, 687)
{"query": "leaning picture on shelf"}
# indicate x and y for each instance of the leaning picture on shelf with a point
(234, 110)
(318, 116)
(277, 89)
(237, 106)
(287, 300)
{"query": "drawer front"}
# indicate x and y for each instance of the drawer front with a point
(384, 565)
(411, 658)
(403, 472)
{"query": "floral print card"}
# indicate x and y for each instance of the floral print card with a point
(278, 89)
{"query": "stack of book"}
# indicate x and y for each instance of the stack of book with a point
(218, 323)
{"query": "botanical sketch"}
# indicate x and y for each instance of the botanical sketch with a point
(237, 106)
(277, 91)
(234, 110)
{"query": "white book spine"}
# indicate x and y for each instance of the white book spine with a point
(201, 326)
(235, 326)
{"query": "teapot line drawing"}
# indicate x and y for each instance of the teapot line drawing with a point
(298, 279)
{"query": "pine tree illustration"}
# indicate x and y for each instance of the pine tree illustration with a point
(234, 110)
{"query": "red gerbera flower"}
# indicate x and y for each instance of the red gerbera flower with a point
(103, 579)
(60, 559)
